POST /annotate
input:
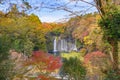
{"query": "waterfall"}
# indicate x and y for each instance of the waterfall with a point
(74, 47)
(65, 46)
(55, 46)
(62, 45)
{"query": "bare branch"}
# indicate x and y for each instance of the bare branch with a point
(87, 2)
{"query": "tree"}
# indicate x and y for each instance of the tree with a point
(108, 9)
(97, 65)
(109, 23)
(5, 64)
(23, 29)
(109, 12)
(44, 64)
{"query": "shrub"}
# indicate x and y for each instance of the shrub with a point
(112, 75)
(44, 63)
(73, 68)
(97, 59)
(78, 55)
(97, 64)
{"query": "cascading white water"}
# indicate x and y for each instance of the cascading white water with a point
(65, 46)
(62, 45)
(55, 46)
(74, 47)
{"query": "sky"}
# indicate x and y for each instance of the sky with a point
(41, 8)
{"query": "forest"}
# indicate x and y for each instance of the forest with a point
(84, 47)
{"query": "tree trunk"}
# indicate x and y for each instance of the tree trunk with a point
(111, 56)
(114, 44)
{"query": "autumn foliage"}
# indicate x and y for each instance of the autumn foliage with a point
(93, 55)
(46, 63)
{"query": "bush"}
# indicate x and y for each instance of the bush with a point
(6, 70)
(112, 75)
(73, 68)
(98, 59)
(97, 64)
(43, 64)
(78, 55)
(5, 63)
